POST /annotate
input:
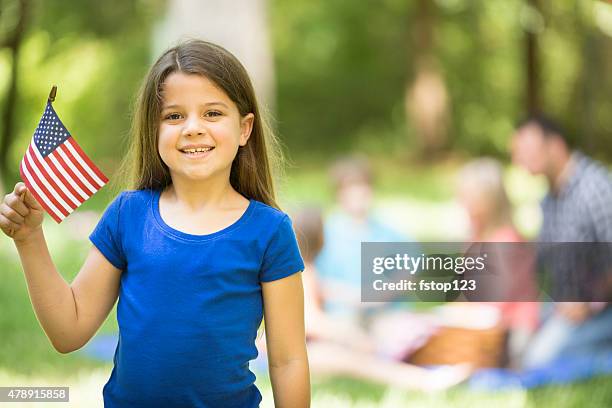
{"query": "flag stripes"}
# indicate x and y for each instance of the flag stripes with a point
(62, 177)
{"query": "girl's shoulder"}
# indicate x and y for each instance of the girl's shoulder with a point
(267, 214)
(266, 209)
(135, 196)
(128, 200)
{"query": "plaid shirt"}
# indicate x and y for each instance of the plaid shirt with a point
(581, 212)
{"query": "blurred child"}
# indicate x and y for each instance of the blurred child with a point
(351, 223)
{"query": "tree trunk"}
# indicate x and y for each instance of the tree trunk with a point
(13, 42)
(532, 74)
(426, 99)
(241, 26)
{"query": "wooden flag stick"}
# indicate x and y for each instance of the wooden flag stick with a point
(53, 93)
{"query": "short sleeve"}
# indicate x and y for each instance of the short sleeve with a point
(107, 235)
(282, 256)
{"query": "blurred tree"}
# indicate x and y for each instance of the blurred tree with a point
(589, 103)
(14, 17)
(241, 26)
(427, 98)
(533, 24)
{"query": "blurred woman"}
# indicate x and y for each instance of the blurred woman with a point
(481, 192)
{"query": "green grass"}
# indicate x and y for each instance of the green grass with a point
(344, 392)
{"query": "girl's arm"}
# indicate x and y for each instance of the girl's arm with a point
(69, 314)
(286, 343)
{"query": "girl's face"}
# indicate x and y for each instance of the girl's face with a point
(200, 128)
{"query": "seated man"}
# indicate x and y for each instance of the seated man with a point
(577, 208)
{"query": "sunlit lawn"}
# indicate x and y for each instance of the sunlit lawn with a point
(86, 391)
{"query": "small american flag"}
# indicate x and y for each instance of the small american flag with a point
(56, 170)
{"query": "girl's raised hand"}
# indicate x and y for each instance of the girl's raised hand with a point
(20, 213)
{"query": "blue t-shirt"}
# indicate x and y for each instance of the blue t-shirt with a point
(189, 305)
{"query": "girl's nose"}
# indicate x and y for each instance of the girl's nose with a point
(193, 126)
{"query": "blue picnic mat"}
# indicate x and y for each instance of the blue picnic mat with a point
(102, 347)
(562, 371)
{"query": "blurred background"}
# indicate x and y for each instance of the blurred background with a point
(416, 89)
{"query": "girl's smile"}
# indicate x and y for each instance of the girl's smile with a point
(197, 151)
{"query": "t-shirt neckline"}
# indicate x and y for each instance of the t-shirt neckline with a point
(195, 237)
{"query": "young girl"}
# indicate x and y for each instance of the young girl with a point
(197, 253)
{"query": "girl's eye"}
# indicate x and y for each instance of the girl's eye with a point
(212, 114)
(173, 116)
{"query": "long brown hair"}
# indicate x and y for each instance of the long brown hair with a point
(254, 164)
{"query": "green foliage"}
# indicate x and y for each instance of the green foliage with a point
(343, 68)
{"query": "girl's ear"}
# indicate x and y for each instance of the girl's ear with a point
(246, 127)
